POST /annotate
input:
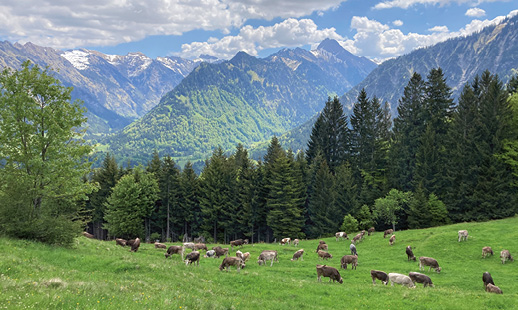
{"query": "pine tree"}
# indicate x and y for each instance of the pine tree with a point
(169, 183)
(346, 190)
(188, 208)
(322, 208)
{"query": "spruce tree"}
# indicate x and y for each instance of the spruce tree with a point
(322, 208)
(188, 207)
(169, 183)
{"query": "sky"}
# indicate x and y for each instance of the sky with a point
(376, 29)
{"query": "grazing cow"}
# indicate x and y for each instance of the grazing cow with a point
(421, 278)
(193, 257)
(220, 251)
(239, 254)
(409, 253)
(490, 288)
(324, 255)
(159, 245)
(174, 249)
(428, 261)
(352, 247)
(328, 272)
(88, 235)
(135, 244)
(200, 239)
(486, 251)
(380, 275)
(392, 239)
(210, 253)
(121, 242)
(340, 235)
(356, 238)
(245, 241)
(363, 232)
(267, 255)
(349, 259)
(321, 247)
(370, 231)
(505, 256)
(189, 245)
(238, 242)
(296, 242)
(200, 246)
(232, 261)
(388, 232)
(298, 254)
(285, 240)
(400, 279)
(487, 279)
(463, 235)
(246, 256)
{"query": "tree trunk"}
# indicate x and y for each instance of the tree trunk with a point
(394, 226)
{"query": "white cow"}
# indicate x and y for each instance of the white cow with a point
(400, 279)
(341, 234)
(463, 235)
(267, 255)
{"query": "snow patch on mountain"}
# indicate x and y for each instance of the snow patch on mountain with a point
(78, 58)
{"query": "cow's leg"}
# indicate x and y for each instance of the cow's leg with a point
(373, 280)
(271, 263)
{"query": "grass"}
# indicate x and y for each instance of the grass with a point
(100, 275)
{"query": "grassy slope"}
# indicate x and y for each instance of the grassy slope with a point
(100, 275)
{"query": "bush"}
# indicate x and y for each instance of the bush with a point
(350, 224)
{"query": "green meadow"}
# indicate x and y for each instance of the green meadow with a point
(100, 275)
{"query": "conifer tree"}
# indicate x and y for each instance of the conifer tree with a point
(321, 207)
(346, 190)
(169, 183)
(188, 207)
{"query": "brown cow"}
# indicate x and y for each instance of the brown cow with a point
(88, 235)
(356, 238)
(193, 257)
(420, 278)
(370, 231)
(298, 254)
(246, 256)
(490, 288)
(328, 272)
(159, 245)
(219, 251)
(388, 232)
(428, 261)
(410, 254)
(349, 259)
(285, 240)
(296, 242)
(380, 275)
(174, 249)
(392, 239)
(487, 278)
(267, 255)
(232, 261)
(321, 246)
(324, 255)
(339, 235)
(121, 242)
(200, 246)
(505, 256)
(238, 242)
(486, 251)
(135, 244)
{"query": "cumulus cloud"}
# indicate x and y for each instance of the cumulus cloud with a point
(397, 23)
(69, 24)
(475, 12)
(439, 29)
(405, 4)
(289, 33)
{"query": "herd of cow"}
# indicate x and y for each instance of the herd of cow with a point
(239, 261)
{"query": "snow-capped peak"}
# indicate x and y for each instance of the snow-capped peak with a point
(78, 58)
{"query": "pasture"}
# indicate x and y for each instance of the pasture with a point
(100, 275)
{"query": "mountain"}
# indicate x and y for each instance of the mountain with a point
(115, 89)
(494, 48)
(244, 100)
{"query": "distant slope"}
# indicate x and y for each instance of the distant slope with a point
(243, 100)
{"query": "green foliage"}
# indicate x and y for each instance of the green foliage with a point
(349, 225)
(365, 218)
(386, 208)
(41, 156)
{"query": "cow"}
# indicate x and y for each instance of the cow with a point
(121, 242)
(352, 247)
(392, 239)
(370, 231)
(380, 275)
(200, 246)
(159, 245)
(246, 256)
(210, 253)
(349, 259)
(298, 254)
(363, 232)
(238, 242)
(189, 245)
(328, 272)
(356, 238)
(285, 240)
(463, 235)
(232, 261)
(400, 279)
(428, 261)
(174, 249)
(490, 288)
(340, 235)
(321, 247)
(388, 232)
(88, 235)
(267, 255)
(135, 244)
(324, 255)
(505, 256)
(486, 251)
(193, 257)
(417, 277)
(487, 279)
(410, 254)
(239, 254)
(296, 242)
(219, 251)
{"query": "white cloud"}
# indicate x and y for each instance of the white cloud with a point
(439, 29)
(475, 12)
(69, 24)
(289, 33)
(397, 23)
(405, 4)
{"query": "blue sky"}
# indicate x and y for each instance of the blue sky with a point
(377, 29)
